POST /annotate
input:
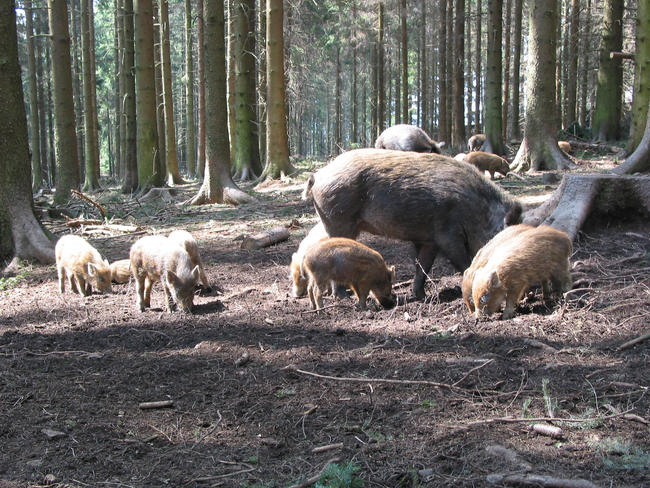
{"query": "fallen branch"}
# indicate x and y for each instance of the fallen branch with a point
(216, 424)
(512, 420)
(631, 343)
(80, 221)
(536, 480)
(265, 239)
(328, 447)
(91, 201)
(315, 478)
(472, 370)
(293, 367)
(159, 404)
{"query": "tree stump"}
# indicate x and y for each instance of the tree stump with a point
(579, 196)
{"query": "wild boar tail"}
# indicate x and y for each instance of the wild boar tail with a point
(306, 193)
(514, 214)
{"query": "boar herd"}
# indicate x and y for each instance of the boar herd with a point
(403, 189)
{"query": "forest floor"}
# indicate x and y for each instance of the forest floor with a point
(265, 392)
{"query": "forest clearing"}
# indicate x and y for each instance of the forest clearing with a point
(258, 390)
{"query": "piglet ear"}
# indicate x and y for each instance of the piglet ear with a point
(106, 262)
(391, 273)
(92, 269)
(195, 274)
(494, 279)
(170, 277)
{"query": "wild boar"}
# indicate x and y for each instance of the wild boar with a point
(484, 255)
(538, 255)
(484, 161)
(439, 204)
(460, 157)
(187, 242)
(476, 142)
(347, 262)
(564, 146)
(300, 282)
(121, 271)
(157, 258)
(404, 137)
(83, 266)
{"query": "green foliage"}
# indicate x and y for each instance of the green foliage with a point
(344, 476)
(7, 283)
(621, 455)
(285, 392)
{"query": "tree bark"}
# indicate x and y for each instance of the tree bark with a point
(189, 94)
(442, 49)
(65, 133)
(34, 125)
(381, 88)
(641, 97)
(458, 133)
(539, 149)
(200, 61)
(506, 72)
(217, 186)
(572, 87)
(479, 69)
(130, 151)
(90, 145)
(639, 160)
(29, 239)
(493, 86)
(405, 65)
(516, 70)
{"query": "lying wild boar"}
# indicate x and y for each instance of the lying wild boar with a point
(564, 146)
(157, 258)
(484, 161)
(484, 255)
(347, 262)
(476, 142)
(82, 264)
(187, 242)
(538, 255)
(439, 204)
(121, 271)
(404, 137)
(300, 282)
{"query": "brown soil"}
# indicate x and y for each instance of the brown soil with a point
(81, 366)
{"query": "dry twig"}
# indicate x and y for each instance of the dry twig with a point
(536, 480)
(631, 343)
(314, 479)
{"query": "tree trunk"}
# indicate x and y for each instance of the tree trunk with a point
(424, 87)
(506, 72)
(130, 152)
(639, 160)
(607, 113)
(516, 70)
(405, 60)
(381, 88)
(29, 239)
(479, 69)
(200, 61)
(77, 83)
(148, 153)
(458, 134)
(261, 83)
(217, 186)
(118, 88)
(585, 56)
(572, 87)
(641, 96)
(189, 94)
(247, 165)
(171, 154)
(338, 139)
(442, 49)
(37, 177)
(493, 107)
(65, 133)
(354, 106)
(160, 98)
(277, 143)
(92, 176)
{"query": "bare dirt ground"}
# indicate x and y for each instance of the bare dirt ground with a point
(420, 395)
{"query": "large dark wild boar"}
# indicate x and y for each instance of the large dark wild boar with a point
(83, 266)
(187, 242)
(404, 137)
(476, 142)
(439, 204)
(347, 262)
(538, 255)
(156, 258)
(484, 161)
(300, 282)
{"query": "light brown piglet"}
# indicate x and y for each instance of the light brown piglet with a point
(565, 146)
(484, 161)
(538, 255)
(350, 263)
(300, 281)
(157, 258)
(83, 266)
(121, 271)
(187, 242)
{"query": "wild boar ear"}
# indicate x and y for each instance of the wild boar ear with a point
(494, 279)
(170, 277)
(391, 273)
(442, 144)
(196, 273)
(92, 269)
(106, 262)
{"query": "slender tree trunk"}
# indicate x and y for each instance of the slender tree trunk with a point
(338, 140)
(516, 71)
(37, 178)
(44, 112)
(572, 87)
(118, 88)
(160, 97)
(479, 69)
(65, 134)
(424, 87)
(261, 83)
(607, 113)
(130, 153)
(217, 186)
(468, 69)
(29, 239)
(493, 86)
(405, 73)
(458, 133)
(381, 88)
(77, 83)
(92, 177)
(539, 150)
(200, 61)
(506, 72)
(584, 57)
(171, 158)
(442, 49)
(354, 106)
(641, 96)
(93, 77)
(148, 153)
(189, 94)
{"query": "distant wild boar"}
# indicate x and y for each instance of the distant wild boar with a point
(482, 257)
(404, 137)
(300, 282)
(440, 205)
(347, 262)
(484, 161)
(564, 146)
(83, 266)
(187, 242)
(476, 142)
(157, 258)
(539, 255)
(121, 271)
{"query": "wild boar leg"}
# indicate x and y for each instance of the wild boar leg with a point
(425, 254)
(83, 287)
(147, 291)
(310, 292)
(139, 291)
(61, 272)
(362, 295)
(171, 306)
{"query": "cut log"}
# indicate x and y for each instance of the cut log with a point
(265, 239)
(579, 196)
